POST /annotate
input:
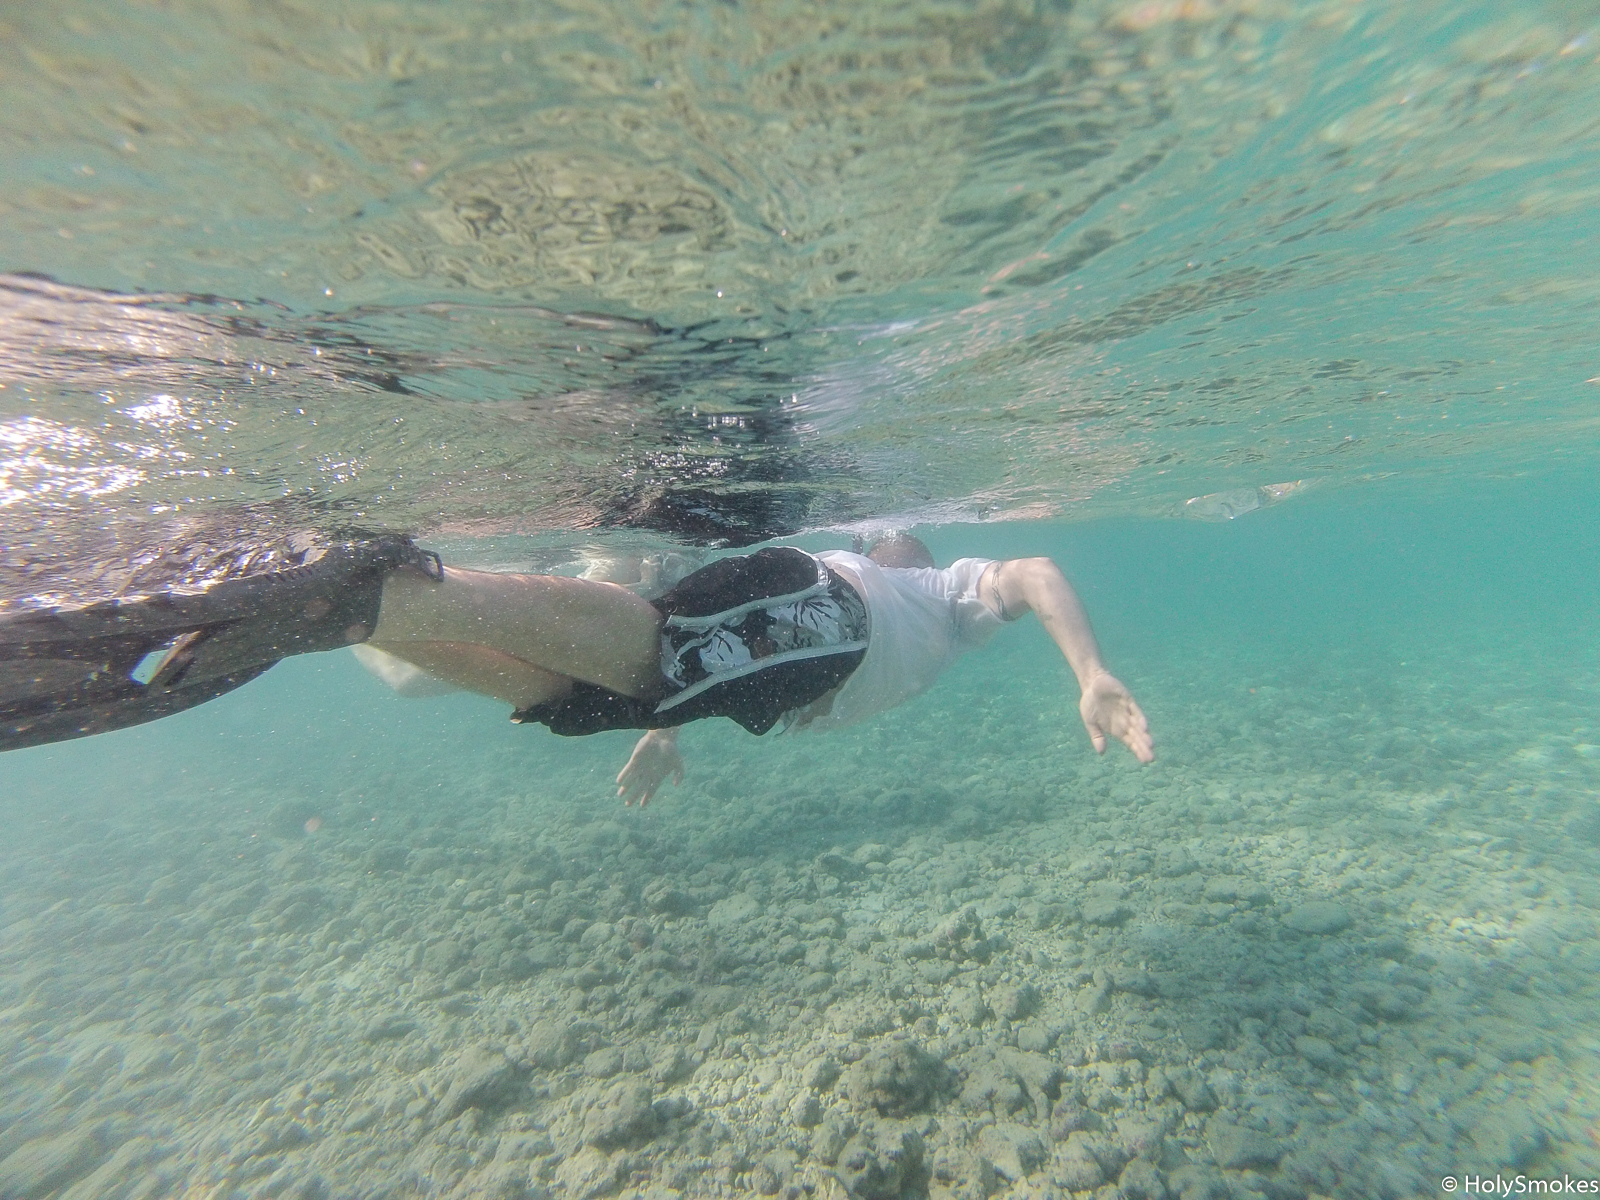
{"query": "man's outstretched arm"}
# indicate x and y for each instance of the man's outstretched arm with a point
(1036, 585)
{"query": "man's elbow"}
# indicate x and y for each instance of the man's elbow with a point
(1025, 584)
(1036, 570)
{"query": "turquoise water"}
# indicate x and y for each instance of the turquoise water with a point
(1271, 323)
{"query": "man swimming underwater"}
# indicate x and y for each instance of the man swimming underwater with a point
(777, 637)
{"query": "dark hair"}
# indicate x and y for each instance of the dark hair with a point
(901, 550)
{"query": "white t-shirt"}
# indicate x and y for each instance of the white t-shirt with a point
(921, 619)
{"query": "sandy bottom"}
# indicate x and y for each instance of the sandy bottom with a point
(1340, 940)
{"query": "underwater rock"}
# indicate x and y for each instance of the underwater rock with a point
(1192, 1089)
(733, 911)
(833, 863)
(664, 897)
(443, 956)
(1319, 1052)
(1040, 1075)
(589, 1173)
(118, 1176)
(387, 857)
(1104, 905)
(822, 1072)
(1141, 1137)
(1015, 1151)
(1009, 1081)
(1141, 1180)
(1069, 1116)
(274, 1135)
(670, 1064)
(1508, 1136)
(1235, 1146)
(672, 1108)
(828, 1141)
(169, 889)
(1016, 1003)
(602, 1063)
(623, 1116)
(553, 1044)
(899, 1079)
(1318, 917)
(46, 1163)
(519, 883)
(805, 1110)
(1194, 1182)
(236, 902)
(1037, 1036)
(480, 1076)
(1137, 983)
(1396, 1004)
(960, 937)
(880, 1161)
(968, 1006)
(1075, 1166)
(988, 1085)
(816, 983)
(1091, 869)
(1516, 1045)
(1333, 1026)
(1097, 999)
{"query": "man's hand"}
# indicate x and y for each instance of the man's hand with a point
(1108, 708)
(653, 759)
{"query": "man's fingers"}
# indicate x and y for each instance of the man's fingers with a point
(633, 787)
(1137, 738)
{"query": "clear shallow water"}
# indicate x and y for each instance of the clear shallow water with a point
(1059, 269)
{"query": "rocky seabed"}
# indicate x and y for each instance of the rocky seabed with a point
(1315, 951)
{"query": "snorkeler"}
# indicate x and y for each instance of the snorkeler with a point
(777, 636)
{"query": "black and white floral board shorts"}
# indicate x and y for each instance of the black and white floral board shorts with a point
(750, 638)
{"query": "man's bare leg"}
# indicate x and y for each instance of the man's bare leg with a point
(487, 672)
(562, 628)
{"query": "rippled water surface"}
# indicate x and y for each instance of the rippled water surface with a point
(727, 271)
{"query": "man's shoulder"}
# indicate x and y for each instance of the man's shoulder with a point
(959, 579)
(848, 557)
